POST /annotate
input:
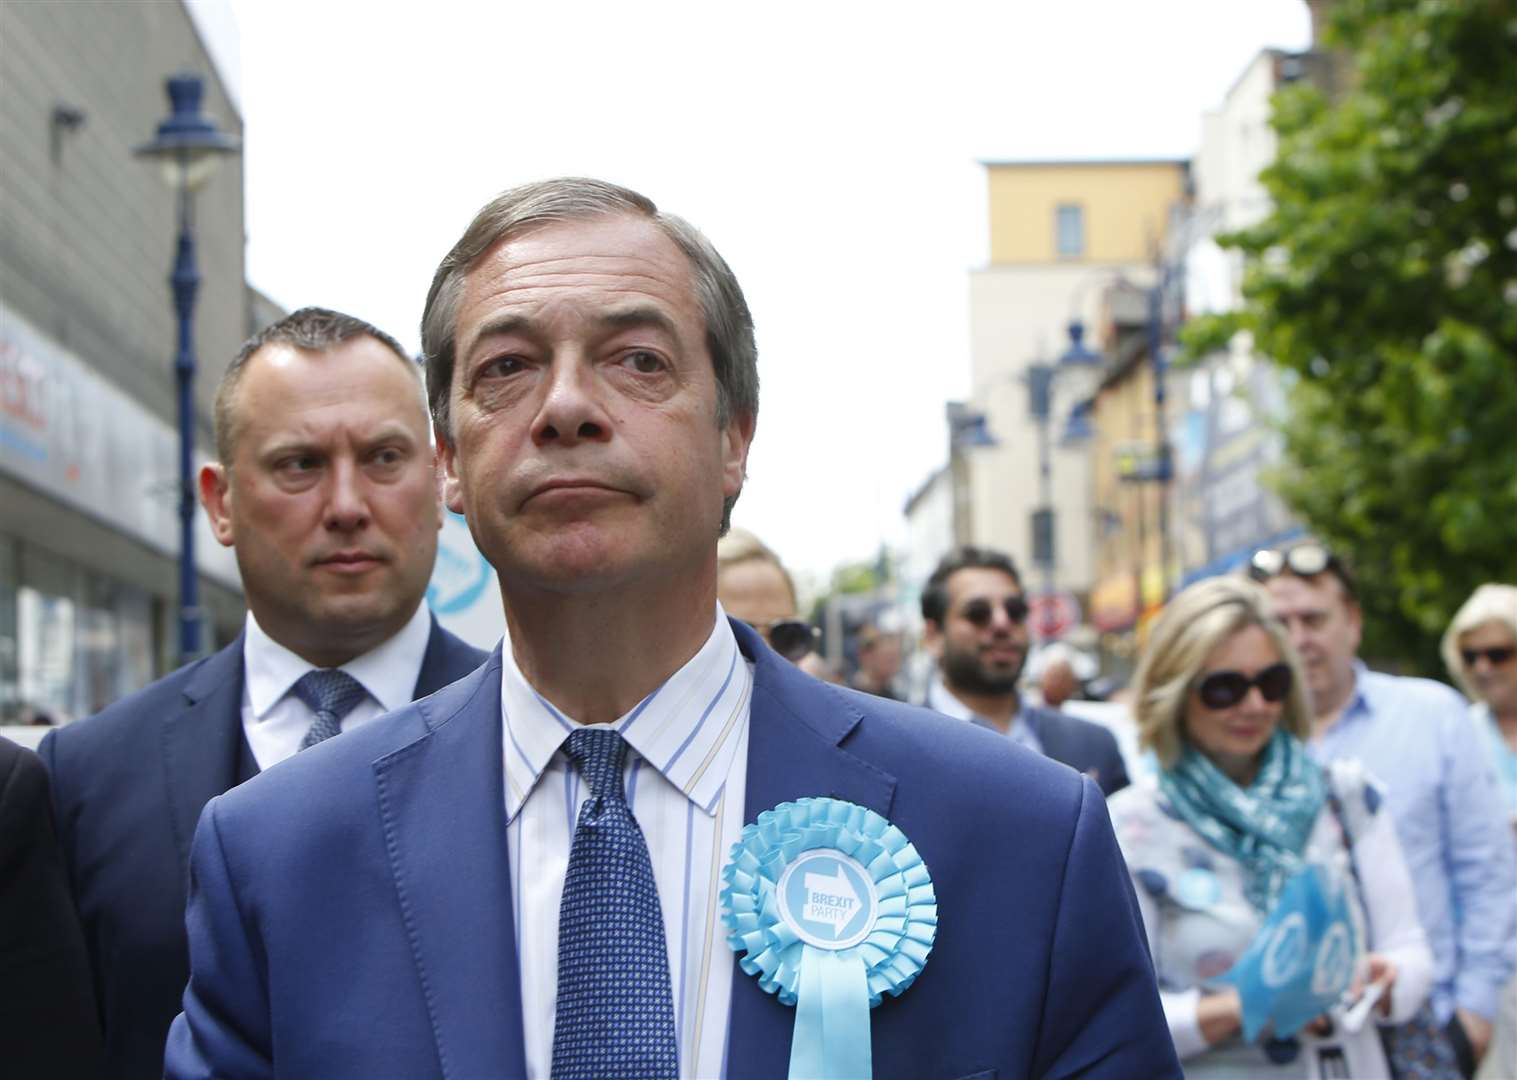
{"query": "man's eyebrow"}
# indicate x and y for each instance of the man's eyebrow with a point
(499, 325)
(637, 316)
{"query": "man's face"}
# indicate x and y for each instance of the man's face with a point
(330, 499)
(1325, 627)
(585, 448)
(979, 646)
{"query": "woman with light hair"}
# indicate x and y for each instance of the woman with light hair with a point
(1480, 649)
(1238, 808)
(754, 586)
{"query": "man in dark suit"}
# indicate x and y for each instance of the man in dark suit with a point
(520, 875)
(47, 1012)
(975, 617)
(325, 489)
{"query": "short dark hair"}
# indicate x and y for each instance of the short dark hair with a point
(314, 329)
(965, 557)
(729, 325)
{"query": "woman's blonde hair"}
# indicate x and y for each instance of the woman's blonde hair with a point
(1489, 603)
(741, 546)
(1197, 621)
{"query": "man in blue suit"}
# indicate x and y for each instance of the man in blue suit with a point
(324, 487)
(520, 876)
(975, 618)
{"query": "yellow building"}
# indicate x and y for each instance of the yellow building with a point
(1061, 233)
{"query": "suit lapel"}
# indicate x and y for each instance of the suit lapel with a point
(442, 807)
(201, 742)
(795, 733)
(445, 660)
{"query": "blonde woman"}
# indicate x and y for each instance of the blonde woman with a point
(1237, 808)
(1480, 649)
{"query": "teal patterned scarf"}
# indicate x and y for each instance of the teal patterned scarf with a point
(1266, 826)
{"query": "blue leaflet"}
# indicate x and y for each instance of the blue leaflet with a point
(1303, 958)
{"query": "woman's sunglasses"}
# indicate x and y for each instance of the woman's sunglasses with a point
(1224, 689)
(791, 638)
(1497, 656)
(979, 613)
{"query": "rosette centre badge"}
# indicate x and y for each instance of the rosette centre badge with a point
(828, 899)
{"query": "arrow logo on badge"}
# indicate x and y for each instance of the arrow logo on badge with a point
(830, 899)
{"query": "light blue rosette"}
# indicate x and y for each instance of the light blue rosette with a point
(831, 907)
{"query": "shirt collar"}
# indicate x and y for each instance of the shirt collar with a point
(1359, 703)
(941, 699)
(686, 728)
(388, 672)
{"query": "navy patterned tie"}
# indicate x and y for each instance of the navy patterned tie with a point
(615, 1015)
(331, 694)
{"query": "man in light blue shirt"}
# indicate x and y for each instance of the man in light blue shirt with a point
(1415, 736)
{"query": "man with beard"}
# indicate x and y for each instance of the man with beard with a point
(976, 628)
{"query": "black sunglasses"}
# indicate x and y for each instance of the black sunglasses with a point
(979, 613)
(1224, 689)
(791, 638)
(1305, 560)
(1497, 656)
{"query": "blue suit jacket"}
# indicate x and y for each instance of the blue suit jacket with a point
(350, 911)
(128, 787)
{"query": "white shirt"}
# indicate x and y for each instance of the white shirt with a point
(941, 699)
(275, 720)
(685, 778)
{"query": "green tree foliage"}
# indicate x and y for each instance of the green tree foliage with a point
(1385, 283)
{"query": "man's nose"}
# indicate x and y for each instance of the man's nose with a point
(571, 411)
(347, 498)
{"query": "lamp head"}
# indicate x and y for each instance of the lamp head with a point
(1078, 355)
(189, 144)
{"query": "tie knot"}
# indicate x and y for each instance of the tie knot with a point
(599, 754)
(329, 690)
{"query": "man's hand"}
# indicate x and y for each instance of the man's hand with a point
(1477, 1029)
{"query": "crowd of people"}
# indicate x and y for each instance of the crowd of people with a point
(350, 845)
(1274, 748)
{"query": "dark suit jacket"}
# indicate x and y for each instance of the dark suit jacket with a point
(128, 785)
(47, 1012)
(1082, 745)
(350, 911)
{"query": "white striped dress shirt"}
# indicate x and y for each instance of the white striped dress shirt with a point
(685, 778)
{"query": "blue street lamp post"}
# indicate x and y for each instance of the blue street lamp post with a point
(188, 146)
(1162, 470)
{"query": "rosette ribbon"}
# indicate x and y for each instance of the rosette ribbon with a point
(831, 908)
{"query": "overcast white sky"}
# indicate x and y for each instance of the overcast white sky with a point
(828, 149)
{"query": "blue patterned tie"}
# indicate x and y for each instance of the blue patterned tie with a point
(615, 1015)
(331, 694)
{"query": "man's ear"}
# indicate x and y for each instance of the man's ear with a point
(449, 486)
(737, 437)
(216, 497)
(932, 638)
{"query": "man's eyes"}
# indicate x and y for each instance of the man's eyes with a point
(643, 361)
(498, 368)
(298, 463)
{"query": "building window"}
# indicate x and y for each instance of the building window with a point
(1069, 230)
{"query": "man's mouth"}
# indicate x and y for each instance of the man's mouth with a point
(350, 562)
